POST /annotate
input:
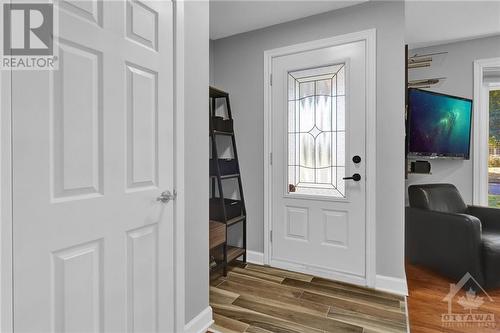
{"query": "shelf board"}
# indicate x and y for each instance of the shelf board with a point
(232, 221)
(234, 175)
(419, 173)
(234, 252)
(222, 133)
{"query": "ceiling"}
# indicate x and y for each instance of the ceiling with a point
(427, 22)
(231, 17)
(437, 22)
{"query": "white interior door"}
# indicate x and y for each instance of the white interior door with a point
(318, 138)
(92, 151)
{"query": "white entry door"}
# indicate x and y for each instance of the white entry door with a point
(318, 139)
(92, 151)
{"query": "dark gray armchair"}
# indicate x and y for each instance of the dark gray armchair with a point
(446, 235)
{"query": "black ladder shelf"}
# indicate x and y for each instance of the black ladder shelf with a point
(223, 210)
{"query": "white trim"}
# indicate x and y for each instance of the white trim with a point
(267, 154)
(6, 255)
(318, 271)
(480, 132)
(371, 157)
(200, 323)
(6, 291)
(392, 285)
(179, 167)
(255, 257)
(369, 36)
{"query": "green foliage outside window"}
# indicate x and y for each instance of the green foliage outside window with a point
(494, 145)
(495, 116)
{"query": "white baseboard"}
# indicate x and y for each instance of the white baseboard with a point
(318, 271)
(200, 323)
(255, 257)
(392, 285)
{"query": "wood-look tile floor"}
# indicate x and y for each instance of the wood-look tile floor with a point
(261, 299)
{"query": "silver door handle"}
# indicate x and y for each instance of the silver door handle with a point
(166, 196)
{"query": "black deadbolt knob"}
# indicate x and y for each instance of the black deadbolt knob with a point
(356, 159)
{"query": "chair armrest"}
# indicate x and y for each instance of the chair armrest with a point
(489, 217)
(446, 242)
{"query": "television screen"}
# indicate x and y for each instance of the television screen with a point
(439, 125)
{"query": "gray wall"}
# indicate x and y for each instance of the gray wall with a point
(211, 61)
(196, 156)
(238, 69)
(457, 67)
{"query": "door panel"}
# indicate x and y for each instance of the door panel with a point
(92, 150)
(142, 274)
(297, 222)
(336, 227)
(142, 127)
(78, 282)
(90, 10)
(318, 117)
(76, 132)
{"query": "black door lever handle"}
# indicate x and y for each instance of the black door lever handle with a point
(356, 177)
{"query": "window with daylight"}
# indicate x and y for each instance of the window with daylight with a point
(316, 131)
(494, 150)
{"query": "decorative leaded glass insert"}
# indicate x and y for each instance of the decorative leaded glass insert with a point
(316, 131)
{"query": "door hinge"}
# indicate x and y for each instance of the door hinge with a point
(271, 79)
(271, 158)
(270, 235)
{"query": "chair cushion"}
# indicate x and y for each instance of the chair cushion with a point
(438, 197)
(491, 259)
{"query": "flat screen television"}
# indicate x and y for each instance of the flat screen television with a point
(439, 125)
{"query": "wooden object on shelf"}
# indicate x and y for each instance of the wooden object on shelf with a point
(217, 234)
(419, 61)
(424, 83)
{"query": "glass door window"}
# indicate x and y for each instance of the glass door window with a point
(316, 131)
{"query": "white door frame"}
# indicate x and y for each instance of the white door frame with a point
(6, 214)
(480, 151)
(179, 167)
(369, 37)
(6, 291)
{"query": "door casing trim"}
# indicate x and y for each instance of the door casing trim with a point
(179, 166)
(369, 37)
(480, 132)
(6, 277)
(6, 213)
